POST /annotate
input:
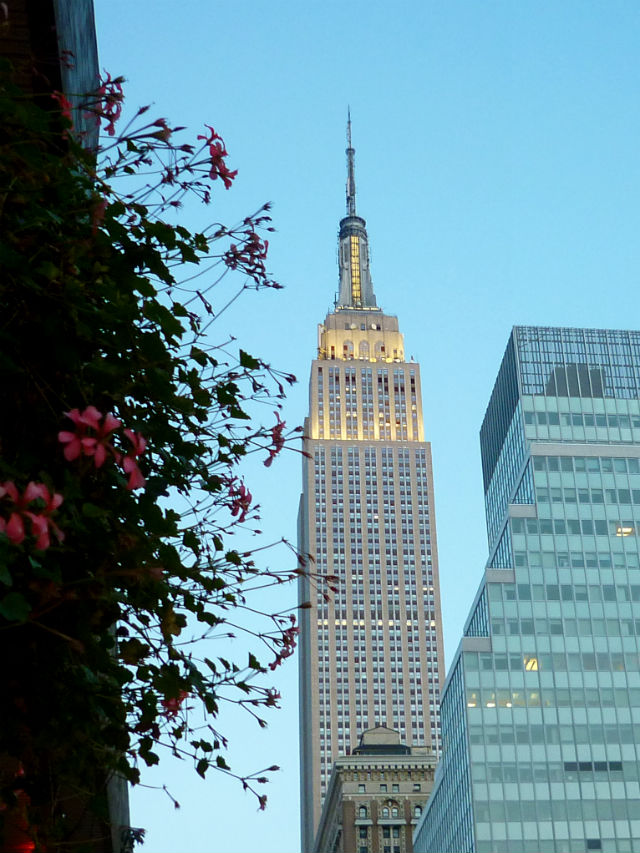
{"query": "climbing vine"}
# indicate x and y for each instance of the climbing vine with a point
(123, 426)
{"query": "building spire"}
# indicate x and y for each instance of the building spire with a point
(356, 289)
(351, 172)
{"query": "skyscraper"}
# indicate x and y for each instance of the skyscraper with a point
(369, 655)
(541, 708)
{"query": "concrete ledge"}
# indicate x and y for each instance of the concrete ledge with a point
(476, 644)
(522, 510)
(500, 576)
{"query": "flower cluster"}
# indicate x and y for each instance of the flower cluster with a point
(277, 440)
(240, 500)
(64, 103)
(110, 96)
(173, 704)
(288, 642)
(250, 257)
(272, 698)
(217, 153)
(93, 437)
(35, 505)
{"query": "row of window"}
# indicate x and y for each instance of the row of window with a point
(383, 787)
(582, 419)
(585, 496)
(580, 559)
(577, 697)
(387, 812)
(555, 661)
(594, 593)
(605, 464)
(489, 736)
(523, 810)
(555, 771)
(566, 628)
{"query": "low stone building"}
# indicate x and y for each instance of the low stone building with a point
(376, 796)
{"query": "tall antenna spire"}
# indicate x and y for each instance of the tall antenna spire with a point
(356, 289)
(351, 174)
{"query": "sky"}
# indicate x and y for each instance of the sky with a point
(498, 169)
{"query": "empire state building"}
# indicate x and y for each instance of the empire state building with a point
(372, 654)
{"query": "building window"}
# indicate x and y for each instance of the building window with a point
(361, 789)
(363, 831)
(383, 788)
(362, 811)
(395, 789)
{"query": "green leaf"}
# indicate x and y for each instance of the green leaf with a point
(254, 663)
(150, 758)
(92, 511)
(15, 607)
(132, 651)
(191, 540)
(248, 361)
(199, 356)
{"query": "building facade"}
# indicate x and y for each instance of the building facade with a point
(375, 796)
(369, 654)
(541, 707)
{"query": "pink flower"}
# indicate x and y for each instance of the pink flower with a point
(164, 134)
(41, 522)
(98, 445)
(64, 103)
(240, 501)
(249, 257)
(110, 104)
(79, 443)
(93, 437)
(129, 464)
(272, 698)
(14, 527)
(288, 642)
(136, 480)
(172, 705)
(39, 518)
(217, 153)
(277, 440)
(72, 440)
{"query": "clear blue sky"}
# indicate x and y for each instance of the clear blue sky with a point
(498, 168)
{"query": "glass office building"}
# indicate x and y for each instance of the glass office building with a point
(541, 708)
